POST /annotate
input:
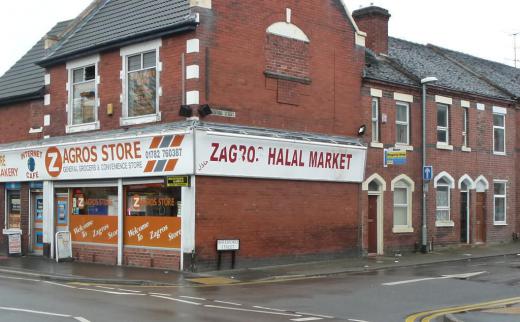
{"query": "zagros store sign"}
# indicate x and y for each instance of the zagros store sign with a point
(135, 157)
(232, 155)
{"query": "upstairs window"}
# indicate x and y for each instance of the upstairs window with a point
(442, 124)
(375, 120)
(499, 133)
(83, 104)
(465, 127)
(402, 122)
(142, 84)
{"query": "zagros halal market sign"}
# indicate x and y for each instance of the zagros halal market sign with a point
(246, 156)
(133, 157)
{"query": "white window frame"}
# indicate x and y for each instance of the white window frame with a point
(404, 182)
(375, 120)
(71, 66)
(407, 123)
(504, 196)
(450, 185)
(132, 50)
(465, 127)
(503, 128)
(444, 128)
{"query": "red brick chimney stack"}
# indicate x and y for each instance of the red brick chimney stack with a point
(374, 21)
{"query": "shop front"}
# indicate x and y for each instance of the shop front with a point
(129, 197)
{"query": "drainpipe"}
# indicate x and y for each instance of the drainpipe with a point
(424, 240)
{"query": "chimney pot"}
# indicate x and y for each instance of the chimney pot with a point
(374, 21)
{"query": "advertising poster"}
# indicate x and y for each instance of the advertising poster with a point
(94, 229)
(164, 232)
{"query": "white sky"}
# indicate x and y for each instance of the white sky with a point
(478, 27)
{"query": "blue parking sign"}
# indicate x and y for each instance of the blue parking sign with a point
(427, 173)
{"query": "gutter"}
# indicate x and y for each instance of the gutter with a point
(184, 26)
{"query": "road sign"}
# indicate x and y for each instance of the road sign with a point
(427, 173)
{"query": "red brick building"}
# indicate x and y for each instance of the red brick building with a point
(149, 139)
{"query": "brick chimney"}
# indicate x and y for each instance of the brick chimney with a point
(374, 21)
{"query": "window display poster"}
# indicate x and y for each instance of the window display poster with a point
(63, 245)
(94, 229)
(15, 244)
(39, 209)
(62, 212)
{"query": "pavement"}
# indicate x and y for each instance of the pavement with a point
(47, 269)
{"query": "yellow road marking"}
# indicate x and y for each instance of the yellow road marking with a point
(429, 315)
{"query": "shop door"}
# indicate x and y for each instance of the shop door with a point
(62, 212)
(372, 224)
(464, 217)
(480, 222)
(37, 223)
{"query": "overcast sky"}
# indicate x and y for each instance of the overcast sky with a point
(479, 27)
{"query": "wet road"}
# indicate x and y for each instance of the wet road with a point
(380, 296)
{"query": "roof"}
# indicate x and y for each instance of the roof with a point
(113, 23)
(159, 129)
(25, 79)
(407, 63)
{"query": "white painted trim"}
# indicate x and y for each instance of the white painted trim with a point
(350, 18)
(378, 178)
(468, 179)
(192, 72)
(499, 110)
(376, 92)
(82, 127)
(47, 99)
(377, 145)
(444, 146)
(47, 79)
(402, 229)
(361, 38)
(403, 147)
(287, 30)
(484, 180)
(140, 47)
(125, 121)
(82, 62)
(405, 178)
(192, 46)
(504, 222)
(446, 175)
(465, 149)
(465, 104)
(47, 120)
(403, 97)
(481, 107)
(192, 98)
(443, 100)
(201, 3)
(37, 130)
(444, 223)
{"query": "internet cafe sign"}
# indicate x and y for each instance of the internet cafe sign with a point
(246, 156)
(131, 157)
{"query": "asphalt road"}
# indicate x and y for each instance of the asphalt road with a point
(380, 296)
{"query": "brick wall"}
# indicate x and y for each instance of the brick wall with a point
(103, 254)
(275, 219)
(19, 118)
(480, 161)
(152, 258)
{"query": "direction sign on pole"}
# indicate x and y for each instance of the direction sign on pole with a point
(427, 173)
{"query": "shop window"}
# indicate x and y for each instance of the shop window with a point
(153, 216)
(14, 211)
(499, 217)
(94, 214)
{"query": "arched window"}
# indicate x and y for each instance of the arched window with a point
(443, 184)
(374, 184)
(402, 187)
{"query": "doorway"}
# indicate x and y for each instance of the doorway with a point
(36, 211)
(464, 216)
(480, 220)
(372, 223)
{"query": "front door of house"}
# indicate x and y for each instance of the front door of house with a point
(464, 217)
(372, 224)
(480, 220)
(37, 222)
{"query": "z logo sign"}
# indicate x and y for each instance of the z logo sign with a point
(53, 162)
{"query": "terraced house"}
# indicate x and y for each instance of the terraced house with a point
(166, 133)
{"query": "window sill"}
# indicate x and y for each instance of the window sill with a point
(500, 153)
(377, 145)
(444, 146)
(444, 224)
(404, 147)
(11, 231)
(82, 127)
(124, 121)
(33, 130)
(402, 230)
(499, 223)
(465, 149)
